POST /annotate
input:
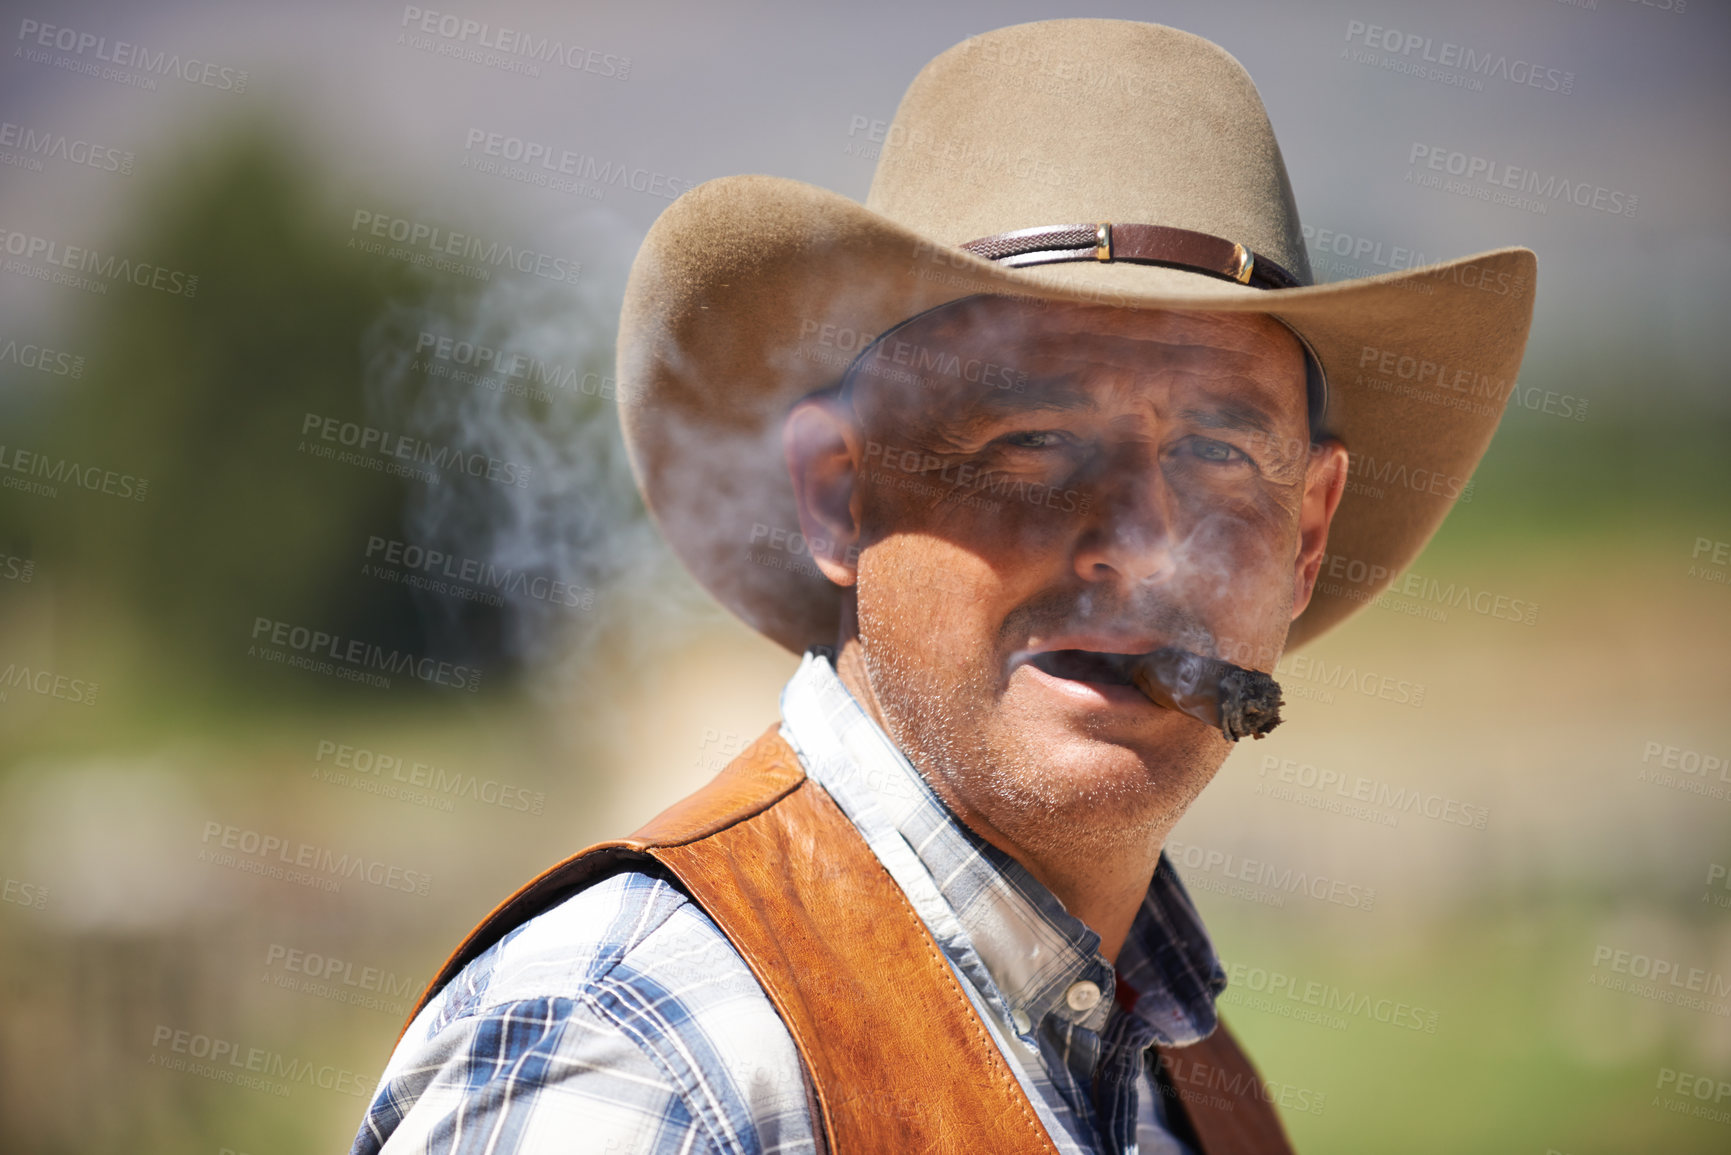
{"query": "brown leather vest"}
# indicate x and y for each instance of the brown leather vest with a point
(895, 1056)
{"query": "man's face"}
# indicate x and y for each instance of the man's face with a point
(1033, 485)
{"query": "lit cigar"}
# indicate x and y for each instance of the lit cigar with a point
(1239, 701)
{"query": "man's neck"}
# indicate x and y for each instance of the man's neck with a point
(1105, 891)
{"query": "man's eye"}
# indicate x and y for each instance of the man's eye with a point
(1035, 439)
(1209, 450)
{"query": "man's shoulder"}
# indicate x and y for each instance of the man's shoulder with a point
(630, 1003)
(632, 927)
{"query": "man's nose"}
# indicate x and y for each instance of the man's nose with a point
(1128, 535)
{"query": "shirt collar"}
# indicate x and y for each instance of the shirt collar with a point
(985, 908)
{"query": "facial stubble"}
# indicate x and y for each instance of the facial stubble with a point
(956, 727)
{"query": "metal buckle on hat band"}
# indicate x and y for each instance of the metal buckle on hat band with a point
(1245, 263)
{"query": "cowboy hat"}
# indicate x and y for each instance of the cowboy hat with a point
(1093, 161)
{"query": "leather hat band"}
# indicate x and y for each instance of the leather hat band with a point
(1141, 244)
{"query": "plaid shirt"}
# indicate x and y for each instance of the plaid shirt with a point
(623, 1021)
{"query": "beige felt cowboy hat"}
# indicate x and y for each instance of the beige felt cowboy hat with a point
(1130, 164)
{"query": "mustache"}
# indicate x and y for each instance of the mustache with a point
(1103, 611)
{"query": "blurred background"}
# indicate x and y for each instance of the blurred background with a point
(292, 690)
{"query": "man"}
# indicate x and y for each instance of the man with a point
(971, 458)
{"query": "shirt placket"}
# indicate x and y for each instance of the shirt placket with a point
(1124, 1048)
(1074, 1014)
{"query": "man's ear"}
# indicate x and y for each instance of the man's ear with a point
(822, 446)
(1324, 483)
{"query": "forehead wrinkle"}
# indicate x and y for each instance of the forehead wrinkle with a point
(1060, 392)
(966, 409)
(1251, 402)
(1076, 372)
(1132, 355)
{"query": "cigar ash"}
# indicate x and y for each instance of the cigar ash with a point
(1241, 702)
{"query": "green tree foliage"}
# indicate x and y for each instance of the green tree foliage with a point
(205, 396)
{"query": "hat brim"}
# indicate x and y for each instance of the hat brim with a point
(751, 292)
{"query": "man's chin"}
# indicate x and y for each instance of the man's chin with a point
(1092, 742)
(1099, 756)
(1076, 787)
(1106, 782)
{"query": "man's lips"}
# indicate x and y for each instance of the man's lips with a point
(1085, 665)
(1238, 701)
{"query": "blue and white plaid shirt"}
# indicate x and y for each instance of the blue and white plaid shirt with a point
(623, 1021)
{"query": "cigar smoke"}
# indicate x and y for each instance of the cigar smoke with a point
(541, 399)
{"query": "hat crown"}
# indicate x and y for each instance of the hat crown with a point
(1076, 121)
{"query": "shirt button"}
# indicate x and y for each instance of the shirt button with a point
(1082, 996)
(1019, 1019)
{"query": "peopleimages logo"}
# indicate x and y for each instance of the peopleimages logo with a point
(42, 359)
(923, 362)
(256, 1068)
(29, 247)
(1237, 1085)
(1458, 386)
(1453, 60)
(1264, 874)
(1685, 1085)
(355, 660)
(34, 37)
(467, 578)
(1368, 475)
(309, 865)
(1509, 184)
(26, 894)
(327, 977)
(555, 160)
(33, 146)
(1328, 1004)
(43, 474)
(436, 242)
(1383, 796)
(401, 447)
(1358, 581)
(962, 483)
(1322, 680)
(1662, 979)
(509, 48)
(47, 683)
(346, 765)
